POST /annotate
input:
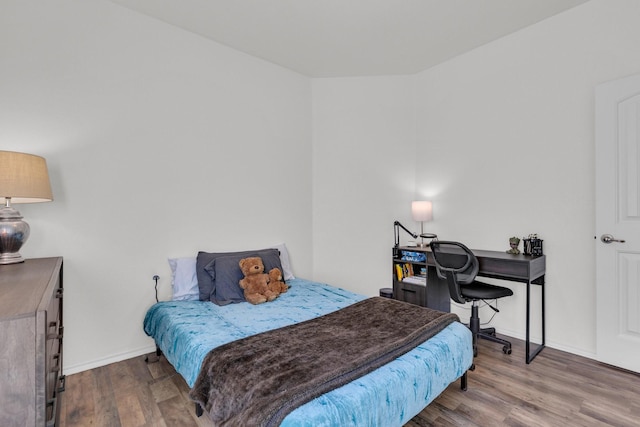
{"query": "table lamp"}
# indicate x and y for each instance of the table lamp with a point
(23, 179)
(422, 211)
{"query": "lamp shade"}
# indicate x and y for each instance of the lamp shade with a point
(422, 211)
(24, 178)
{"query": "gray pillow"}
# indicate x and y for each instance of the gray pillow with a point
(224, 273)
(227, 271)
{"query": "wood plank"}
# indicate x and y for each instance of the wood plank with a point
(149, 407)
(78, 399)
(161, 368)
(556, 389)
(164, 389)
(181, 384)
(106, 408)
(608, 414)
(175, 413)
(130, 411)
(139, 370)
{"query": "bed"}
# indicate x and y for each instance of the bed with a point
(186, 331)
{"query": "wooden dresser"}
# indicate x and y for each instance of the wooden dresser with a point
(31, 380)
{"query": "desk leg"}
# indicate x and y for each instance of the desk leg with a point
(528, 338)
(530, 356)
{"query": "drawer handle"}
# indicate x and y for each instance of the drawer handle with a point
(57, 336)
(56, 367)
(63, 381)
(53, 403)
(409, 290)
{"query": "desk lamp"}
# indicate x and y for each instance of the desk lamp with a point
(422, 211)
(23, 179)
(396, 236)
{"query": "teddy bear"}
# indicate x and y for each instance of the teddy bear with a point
(255, 282)
(275, 281)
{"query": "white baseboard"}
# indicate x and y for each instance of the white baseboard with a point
(550, 344)
(513, 334)
(74, 369)
(572, 350)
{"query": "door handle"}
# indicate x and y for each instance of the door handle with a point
(608, 238)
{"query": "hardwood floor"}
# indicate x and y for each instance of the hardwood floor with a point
(556, 389)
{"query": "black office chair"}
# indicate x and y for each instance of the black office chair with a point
(456, 264)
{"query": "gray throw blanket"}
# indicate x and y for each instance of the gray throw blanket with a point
(258, 380)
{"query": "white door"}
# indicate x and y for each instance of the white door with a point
(617, 220)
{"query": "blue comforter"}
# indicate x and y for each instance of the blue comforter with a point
(186, 331)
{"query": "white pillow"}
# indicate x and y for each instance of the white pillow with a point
(284, 260)
(183, 279)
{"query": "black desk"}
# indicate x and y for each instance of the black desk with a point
(498, 265)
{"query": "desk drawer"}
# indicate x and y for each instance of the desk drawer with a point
(514, 270)
(409, 292)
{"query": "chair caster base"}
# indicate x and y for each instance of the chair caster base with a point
(488, 331)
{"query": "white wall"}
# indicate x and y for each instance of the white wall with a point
(510, 129)
(363, 175)
(156, 140)
(159, 144)
(505, 146)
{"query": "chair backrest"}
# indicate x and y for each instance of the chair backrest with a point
(456, 264)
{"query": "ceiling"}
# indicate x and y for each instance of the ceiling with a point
(338, 38)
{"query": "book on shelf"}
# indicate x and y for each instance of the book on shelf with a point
(416, 280)
(407, 269)
(399, 273)
(404, 270)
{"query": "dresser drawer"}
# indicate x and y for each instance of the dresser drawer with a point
(53, 366)
(31, 330)
(54, 308)
(54, 327)
(54, 384)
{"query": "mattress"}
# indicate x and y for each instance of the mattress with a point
(186, 331)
